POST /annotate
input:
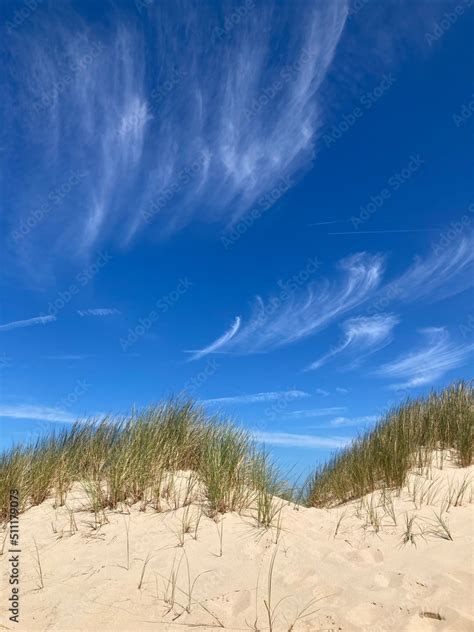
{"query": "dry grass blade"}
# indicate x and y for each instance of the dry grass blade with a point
(410, 535)
(142, 575)
(39, 568)
(338, 524)
(441, 528)
(306, 611)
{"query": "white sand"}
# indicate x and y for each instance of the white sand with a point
(366, 580)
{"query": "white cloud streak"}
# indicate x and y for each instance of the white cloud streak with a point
(69, 357)
(317, 412)
(37, 320)
(322, 392)
(39, 413)
(446, 271)
(99, 311)
(143, 110)
(289, 440)
(257, 397)
(362, 334)
(339, 422)
(292, 316)
(216, 346)
(430, 362)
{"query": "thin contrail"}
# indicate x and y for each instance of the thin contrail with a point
(325, 223)
(401, 230)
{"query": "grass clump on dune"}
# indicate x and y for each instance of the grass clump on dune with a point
(134, 460)
(404, 438)
(137, 459)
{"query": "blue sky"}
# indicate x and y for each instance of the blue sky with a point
(267, 206)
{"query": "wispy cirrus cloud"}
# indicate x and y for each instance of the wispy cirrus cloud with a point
(68, 90)
(316, 412)
(339, 422)
(255, 398)
(68, 357)
(289, 440)
(363, 335)
(53, 414)
(39, 413)
(447, 270)
(216, 346)
(430, 362)
(293, 316)
(29, 322)
(323, 392)
(164, 131)
(167, 133)
(99, 311)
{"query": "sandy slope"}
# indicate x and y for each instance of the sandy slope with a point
(367, 580)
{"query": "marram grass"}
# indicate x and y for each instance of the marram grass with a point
(404, 438)
(130, 460)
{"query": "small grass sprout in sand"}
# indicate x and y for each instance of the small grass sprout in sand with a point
(412, 530)
(142, 574)
(272, 610)
(39, 568)
(440, 528)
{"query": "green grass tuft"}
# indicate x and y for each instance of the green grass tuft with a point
(134, 460)
(404, 438)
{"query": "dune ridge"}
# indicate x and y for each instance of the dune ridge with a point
(171, 520)
(358, 566)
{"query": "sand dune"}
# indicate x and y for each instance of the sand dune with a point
(346, 568)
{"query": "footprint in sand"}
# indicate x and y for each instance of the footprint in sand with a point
(364, 556)
(381, 580)
(418, 588)
(242, 602)
(396, 580)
